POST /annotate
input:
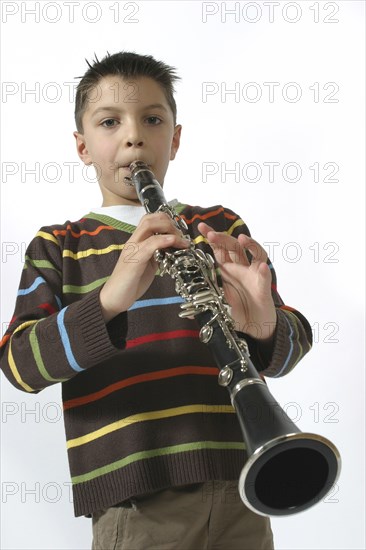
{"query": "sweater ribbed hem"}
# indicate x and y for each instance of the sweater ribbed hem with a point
(149, 476)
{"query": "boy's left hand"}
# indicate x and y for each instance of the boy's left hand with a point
(247, 286)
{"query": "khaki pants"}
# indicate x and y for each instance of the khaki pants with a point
(205, 516)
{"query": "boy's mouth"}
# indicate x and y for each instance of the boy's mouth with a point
(129, 164)
(127, 180)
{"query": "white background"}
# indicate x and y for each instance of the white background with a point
(318, 225)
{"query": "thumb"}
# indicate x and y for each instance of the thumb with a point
(264, 279)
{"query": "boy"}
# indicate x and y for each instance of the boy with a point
(155, 448)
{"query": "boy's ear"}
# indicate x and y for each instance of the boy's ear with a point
(175, 141)
(81, 148)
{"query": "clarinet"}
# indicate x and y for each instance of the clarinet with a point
(287, 471)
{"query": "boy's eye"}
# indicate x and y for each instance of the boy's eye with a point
(107, 123)
(153, 120)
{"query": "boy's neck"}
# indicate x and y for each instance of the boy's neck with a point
(122, 203)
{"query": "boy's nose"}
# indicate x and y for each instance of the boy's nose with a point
(134, 143)
(133, 136)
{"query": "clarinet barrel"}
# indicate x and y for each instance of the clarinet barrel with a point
(287, 471)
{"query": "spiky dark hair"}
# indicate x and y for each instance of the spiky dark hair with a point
(125, 65)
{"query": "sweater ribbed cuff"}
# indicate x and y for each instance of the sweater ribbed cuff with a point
(281, 345)
(261, 351)
(99, 341)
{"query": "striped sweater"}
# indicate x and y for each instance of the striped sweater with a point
(142, 407)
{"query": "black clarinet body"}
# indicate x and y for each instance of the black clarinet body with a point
(287, 470)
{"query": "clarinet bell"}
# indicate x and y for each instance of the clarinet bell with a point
(287, 471)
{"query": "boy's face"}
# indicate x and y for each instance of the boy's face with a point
(127, 120)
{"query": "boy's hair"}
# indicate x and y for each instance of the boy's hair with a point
(124, 65)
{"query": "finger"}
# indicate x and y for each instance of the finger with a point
(264, 279)
(151, 224)
(234, 251)
(225, 247)
(258, 281)
(162, 241)
(204, 228)
(143, 251)
(256, 250)
(207, 231)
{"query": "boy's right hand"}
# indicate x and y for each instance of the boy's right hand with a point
(135, 269)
